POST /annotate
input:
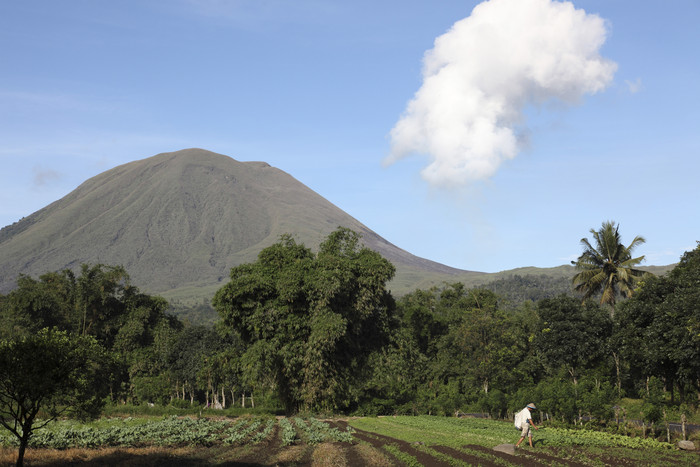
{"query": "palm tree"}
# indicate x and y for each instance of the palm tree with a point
(609, 267)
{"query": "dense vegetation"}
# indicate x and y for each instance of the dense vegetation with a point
(318, 332)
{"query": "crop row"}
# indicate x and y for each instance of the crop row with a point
(455, 431)
(316, 431)
(178, 431)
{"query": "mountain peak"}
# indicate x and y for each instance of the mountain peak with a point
(179, 220)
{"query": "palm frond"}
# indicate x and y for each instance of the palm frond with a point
(609, 266)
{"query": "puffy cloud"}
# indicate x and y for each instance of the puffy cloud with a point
(481, 74)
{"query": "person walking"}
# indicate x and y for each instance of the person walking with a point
(523, 421)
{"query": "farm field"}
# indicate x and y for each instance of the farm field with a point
(297, 441)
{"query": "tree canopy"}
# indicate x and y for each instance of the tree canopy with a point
(659, 328)
(311, 320)
(318, 331)
(51, 372)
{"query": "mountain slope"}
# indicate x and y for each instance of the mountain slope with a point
(179, 221)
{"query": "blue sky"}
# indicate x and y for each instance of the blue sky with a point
(316, 88)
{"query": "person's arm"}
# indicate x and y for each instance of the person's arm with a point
(529, 420)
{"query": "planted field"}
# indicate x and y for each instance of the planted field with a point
(297, 441)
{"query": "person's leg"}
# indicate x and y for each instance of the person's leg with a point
(529, 438)
(525, 432)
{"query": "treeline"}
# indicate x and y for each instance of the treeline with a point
(516, 289)
(318, 331)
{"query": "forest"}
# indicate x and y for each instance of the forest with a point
(318, 332)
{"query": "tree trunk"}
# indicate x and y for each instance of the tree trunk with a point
(223, 398)
(243, 399)
(647, 386)
(20, 453)
(252, 401)
(572, 372)
(24, 442)
(618, 384)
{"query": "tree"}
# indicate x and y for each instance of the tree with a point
(571, 335)
(51, 372)
(37, 304)
(476, 347)
(659, 328)
(187, 353)
(312, 320)
(99, 302)
(608, 267)
(398, 371)
(416, 311)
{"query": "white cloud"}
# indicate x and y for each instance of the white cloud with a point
(634, 86)
(480, 76)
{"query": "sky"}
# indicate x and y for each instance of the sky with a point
(486, 136)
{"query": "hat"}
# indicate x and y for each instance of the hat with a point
(531, 406)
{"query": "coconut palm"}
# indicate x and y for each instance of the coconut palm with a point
(608, 267)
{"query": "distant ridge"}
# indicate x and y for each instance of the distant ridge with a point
(179, 221)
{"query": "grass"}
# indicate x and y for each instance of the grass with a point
(633, 408)
(452, 432)
(474, 437)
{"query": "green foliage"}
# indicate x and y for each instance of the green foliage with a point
(99, 302)
(652, 396)
(571, 335)
(311, 321)
(51, 372)
(494, 403)
(398, 372)
(608, 267)
(455, 432)
(287, 432)
(468, 347)
(242, 431)
(182, 431)
(516, 289)
(318, 332)
(152, 389)
(597, 399)
(658, 330)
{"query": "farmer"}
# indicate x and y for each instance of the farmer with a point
(523, 420)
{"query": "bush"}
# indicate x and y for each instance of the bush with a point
(152, 389)
(181, 404)
(493, 403)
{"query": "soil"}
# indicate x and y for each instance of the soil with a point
(367, 445)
